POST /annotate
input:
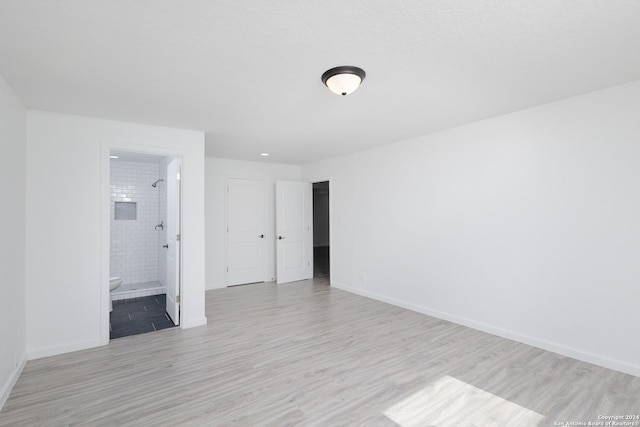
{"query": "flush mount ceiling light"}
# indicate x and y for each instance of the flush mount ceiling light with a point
(343, 80)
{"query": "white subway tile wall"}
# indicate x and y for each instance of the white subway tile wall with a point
(135, 243)
(162, 214)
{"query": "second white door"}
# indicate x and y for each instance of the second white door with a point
(173, 241)
(246, 231)
(294, 231)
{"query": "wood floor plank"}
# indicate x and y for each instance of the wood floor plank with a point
(308, 354)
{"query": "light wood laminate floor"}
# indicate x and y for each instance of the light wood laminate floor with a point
(308, 354)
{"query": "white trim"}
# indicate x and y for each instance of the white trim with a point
(193, 323)
(564, 350)
(105, 248)
(11, 381)
(180, 245)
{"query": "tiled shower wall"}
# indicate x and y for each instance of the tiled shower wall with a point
(134, 243)
(162, 215)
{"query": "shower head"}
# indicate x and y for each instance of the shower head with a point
(156, 183)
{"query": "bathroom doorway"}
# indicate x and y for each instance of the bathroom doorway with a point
(144, 242)
(321, 234)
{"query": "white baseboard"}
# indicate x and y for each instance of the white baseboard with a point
(211, 286)
(13, 379)
(84, 345)
(193, 323)
(67, 348)
(564, 350)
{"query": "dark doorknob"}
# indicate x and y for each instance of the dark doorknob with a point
(280, 237)
(261, 236)
(166, 246)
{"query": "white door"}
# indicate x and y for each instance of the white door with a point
(246, 228)
(173, 241)
(294, 231)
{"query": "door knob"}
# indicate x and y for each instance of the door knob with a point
(280, 237)
(166, 246)
(261, 236)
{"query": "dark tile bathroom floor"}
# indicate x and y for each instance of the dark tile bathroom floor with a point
(139, 315)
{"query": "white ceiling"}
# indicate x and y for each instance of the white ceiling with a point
(248, 72)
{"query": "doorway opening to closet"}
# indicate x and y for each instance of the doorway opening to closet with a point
(321, 240)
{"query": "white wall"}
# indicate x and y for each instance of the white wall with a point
(217, 170)
(13, 166)
(68, 217)
(135, 242)
(526, 225)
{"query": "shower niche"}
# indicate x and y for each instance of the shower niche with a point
(125, 210)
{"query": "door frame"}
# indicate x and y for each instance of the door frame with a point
(106, 147)
(328, 179)
(226, 223)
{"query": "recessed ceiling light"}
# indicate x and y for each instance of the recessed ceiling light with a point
(114, 157)
(264, 154)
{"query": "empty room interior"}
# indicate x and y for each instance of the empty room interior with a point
(320, 213)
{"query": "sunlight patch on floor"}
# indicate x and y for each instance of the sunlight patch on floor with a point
(451, 402)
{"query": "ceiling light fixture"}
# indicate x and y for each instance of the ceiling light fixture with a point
(343, 80)
(264, 154)
(114, 157)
